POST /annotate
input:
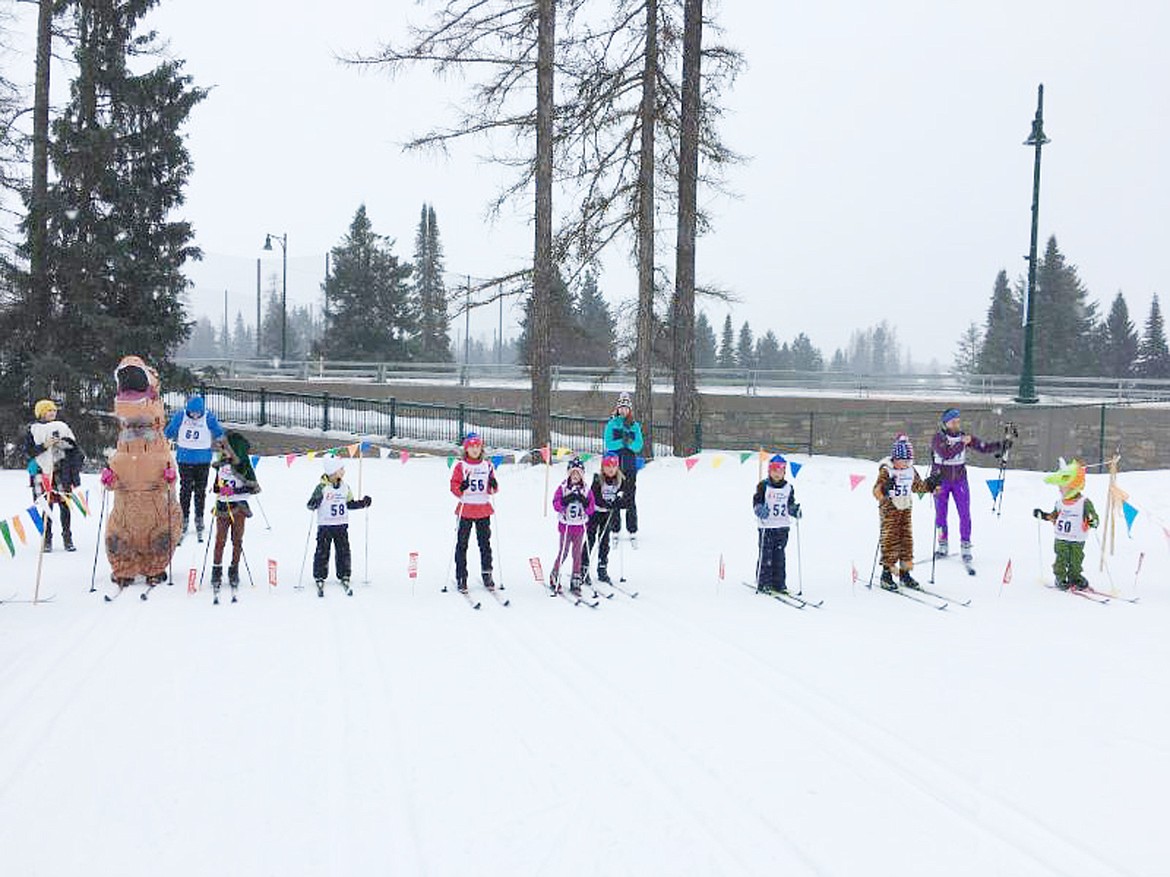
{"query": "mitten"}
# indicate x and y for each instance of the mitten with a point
(169, 474)
(933, 481)
(1039, 513)
(795, 511)
(314, 503)
(108, 477)
(464, 484)
(761, 511)
(366, 502)
(492, 483)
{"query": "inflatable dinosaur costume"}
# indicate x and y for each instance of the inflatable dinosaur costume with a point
(145, 523)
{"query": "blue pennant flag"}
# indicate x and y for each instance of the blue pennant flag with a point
(255, 460)
(498, 460)
(794, 468)
(1130, 513)
(995, 485)
(37, 520)
(365, 446)
(639, 462)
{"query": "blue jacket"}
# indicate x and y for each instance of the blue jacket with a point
(193, 439)
(625, 440)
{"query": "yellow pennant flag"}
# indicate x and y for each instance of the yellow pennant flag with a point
(717, 461)
(18, 528)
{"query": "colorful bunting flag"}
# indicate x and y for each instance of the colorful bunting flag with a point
(545, 454)
(255, 460)
(403, 456)
(855, 575)
(311, 454)
(412, 565)
(498, 460)
(288, 459)
(639, 464)
(722, 570)
(691, 461)
(855, 480)
(191, 586)
(352, 449)
(271, 572)
(18, 528)
(450, 462)
(81, 501)
(1007, 572)
(1130, 513)
(795, 468)
(717, 461)
(38, 522)
(995, 485)
(7, 538)
(537, 571)
(365, 446)
(745, 456)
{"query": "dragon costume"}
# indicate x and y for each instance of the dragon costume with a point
(145, 523)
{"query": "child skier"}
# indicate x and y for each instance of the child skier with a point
(332, 500)
(775, 505)
(574, 504)
(193, 430)
(473, 481)
(949, 448)
(608, 495)
(896, 484)
(235, 481)
(1073, 517)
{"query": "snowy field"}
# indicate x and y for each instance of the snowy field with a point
(698, 729)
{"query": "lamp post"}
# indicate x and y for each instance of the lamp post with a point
(283, 240)
(1027, 392)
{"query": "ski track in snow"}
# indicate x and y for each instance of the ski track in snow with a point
(697, 730)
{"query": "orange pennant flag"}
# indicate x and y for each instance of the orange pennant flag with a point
(353, 449)
(18, 528)
(855, 480)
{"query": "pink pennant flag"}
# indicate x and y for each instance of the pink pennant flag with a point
(691, 461)
(403, 456)
(855, 480)
(537, 570)
(545, 454)
(1007, 572)
(288, 459)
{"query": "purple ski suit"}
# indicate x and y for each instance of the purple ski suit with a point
(574, 504)
(950, 463)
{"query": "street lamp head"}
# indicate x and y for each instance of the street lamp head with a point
(268, 242)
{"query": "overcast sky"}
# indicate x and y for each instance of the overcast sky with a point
(887, 177)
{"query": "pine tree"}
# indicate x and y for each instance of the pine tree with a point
(1153, 355)
(767, 355)
(597, 342)
(564, 334)
(370, 315)
(1064, 318)
(243, 339)
(706, 345)
(806, 358)
(115, 249)
(727, 345)
(1119, 357)
(433, 341)
(966, 361)
(745, 348)
(1002, 333)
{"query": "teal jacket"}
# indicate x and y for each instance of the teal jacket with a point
(620, 437)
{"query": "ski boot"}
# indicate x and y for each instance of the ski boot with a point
(346, 587)
(782, 588)
(199, 530)
(156, 579)
(68, 540)
(763, 588)
(603, 575)
(320, 587)
(234, 580)
(908, 581)
(461, 585)
(488, 581)
(942, 550)
(1079, 583)
(965, 551)
(216, 581)
(575, 584)
(887, 581)
(554, 582)
(633, 540)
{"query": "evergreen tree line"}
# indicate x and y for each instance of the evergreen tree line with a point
(1070, 338)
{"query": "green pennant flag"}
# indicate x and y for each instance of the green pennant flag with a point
(743, 457)
(450, 462)
(7, 538)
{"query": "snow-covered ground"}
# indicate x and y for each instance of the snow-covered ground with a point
(699, 729)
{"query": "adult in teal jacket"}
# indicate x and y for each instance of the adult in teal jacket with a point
(623, 436)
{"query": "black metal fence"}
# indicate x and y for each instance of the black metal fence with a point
(402, 419)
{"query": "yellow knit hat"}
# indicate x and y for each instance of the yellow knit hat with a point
(43, 407)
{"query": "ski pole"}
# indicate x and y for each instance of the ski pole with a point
(799, 565)
(499, 554)
(454, 544)
(207, 547)
(263, 514)
(46, 524)
(933, 551)
(305, 554)
(247, 568)
(876, 549)
(98, 542)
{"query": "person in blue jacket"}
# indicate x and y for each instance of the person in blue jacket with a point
(193, 430)
(623, 436)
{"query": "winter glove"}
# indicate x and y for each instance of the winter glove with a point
(314, 503)
(933, 481)
(366, 502)
(52, 440)
(108, 478)
(795, 511)
(169, 474)
(761, 511)
(464, 484)
(1039, 513)
(33, 468)
(492, 483)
